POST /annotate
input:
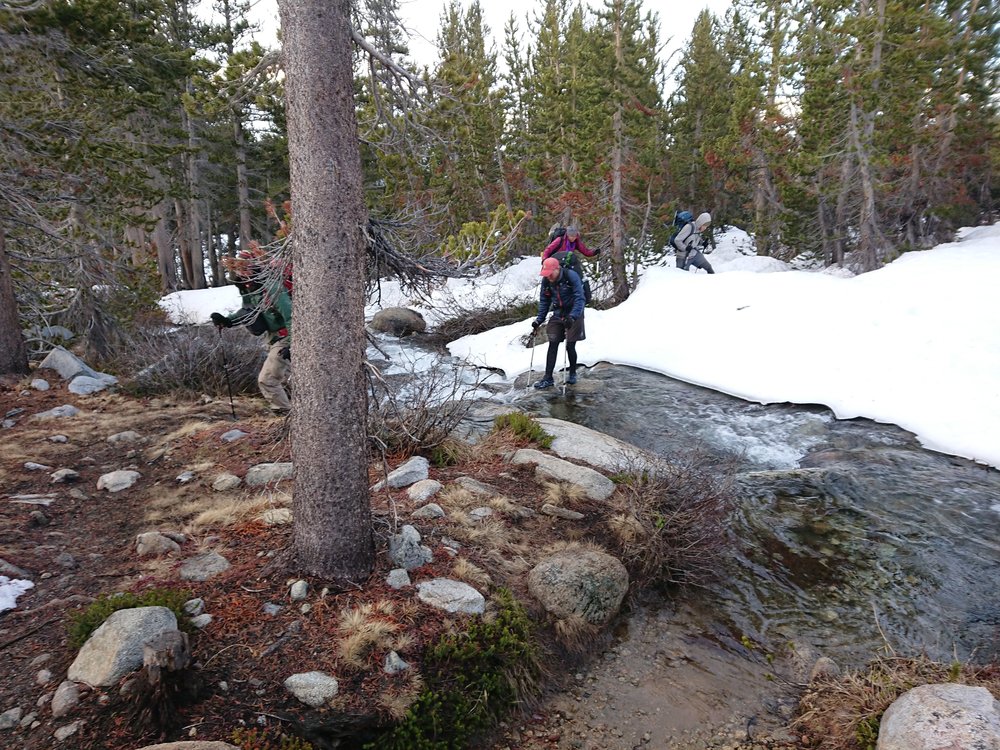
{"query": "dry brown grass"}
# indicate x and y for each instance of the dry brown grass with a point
(397, 698)
(563, 494)
(843, 712)
(672, 525)
(576, 634)
(465, 570)
(456, 497)
(364, 631)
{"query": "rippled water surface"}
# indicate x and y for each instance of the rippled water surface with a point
(883, 538)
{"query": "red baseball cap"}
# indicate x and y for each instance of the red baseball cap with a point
(548, 266)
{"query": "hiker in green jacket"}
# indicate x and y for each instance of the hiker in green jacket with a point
(266, 312)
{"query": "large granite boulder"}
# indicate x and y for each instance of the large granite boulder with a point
(399, 321)
(580, 582)
(941, 717)
(594, 484)
(115, 648)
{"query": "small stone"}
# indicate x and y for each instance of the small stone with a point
(394, 663)
(232, 436)
(429, 511)
(423, 490)
(152, 543)
(10, 718)
(66, 697)
(63, 476)
(223, 686)
(185, 477)
(225, 482)
(272, 609)
(312, 688)
(66, 560)
(481, 513)
(43, 676)
(201, 621)
(67, 731)
(116, 481)
(78, 494)
(300, 589)
(28, 720)
(204, 566)
(40, 385)
(32, 466)
(194, 607)
(398, 578)
(38, 518)
(558, 512)
(125, 438)
(57, 439)
(306, 608)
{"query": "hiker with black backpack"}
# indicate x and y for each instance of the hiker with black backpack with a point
(567, 247)
(562, 293)
(688, 242)
(266, 312)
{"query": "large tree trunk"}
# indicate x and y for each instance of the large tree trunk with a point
(13, 353)
(332, 532)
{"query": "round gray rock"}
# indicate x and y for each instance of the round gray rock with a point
(935, 717)
(204, 566)
(312, 688)
(451, 596)
(399, 321)
(580, 582)
(116, 481)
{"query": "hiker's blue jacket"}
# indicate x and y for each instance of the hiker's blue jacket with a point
(564, 297)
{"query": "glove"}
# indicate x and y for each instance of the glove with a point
(286, 354)
(535, 324)
(569, 320)
(221, 320)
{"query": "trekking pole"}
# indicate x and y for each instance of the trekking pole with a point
(565, 369)
(225, 369)
(531, 365)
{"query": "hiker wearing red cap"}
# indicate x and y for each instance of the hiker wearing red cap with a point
(562, 293)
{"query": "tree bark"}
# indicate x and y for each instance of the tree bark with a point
(332, 533)
(242, 181)
(13, 352)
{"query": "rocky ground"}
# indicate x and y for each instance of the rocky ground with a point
(78, 490)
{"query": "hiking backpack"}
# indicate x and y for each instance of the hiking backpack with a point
(557, 231)
(569, 259)
(681, 218)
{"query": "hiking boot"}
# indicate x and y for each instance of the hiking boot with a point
(546, 382)
(571, 378)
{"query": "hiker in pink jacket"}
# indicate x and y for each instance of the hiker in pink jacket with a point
(570, 242)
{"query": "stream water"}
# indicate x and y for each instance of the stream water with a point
(882, 541)
(849, 537)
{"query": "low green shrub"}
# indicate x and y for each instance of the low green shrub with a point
(90, 618)
(473, 679)
(524, 427)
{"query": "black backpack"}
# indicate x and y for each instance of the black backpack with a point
(569, 259)
(557, 231)
(681, 218)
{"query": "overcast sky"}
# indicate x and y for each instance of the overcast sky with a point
(423, 17)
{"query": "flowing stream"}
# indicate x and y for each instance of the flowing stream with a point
(849, 537)
(882, 541)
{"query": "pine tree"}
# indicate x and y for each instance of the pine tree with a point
(332, 536)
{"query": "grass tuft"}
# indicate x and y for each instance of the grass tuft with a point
(523, 427)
